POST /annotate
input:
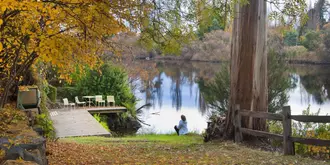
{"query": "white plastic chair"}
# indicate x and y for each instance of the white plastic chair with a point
(67, 104)
(110, 99)
(79, 102)
(99, 100)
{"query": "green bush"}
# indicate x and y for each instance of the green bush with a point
(103, 120)
(275, 127)
(305, 130)
(291, 38)
(312, 130)
(326, 39)
(312, 40)
(52, 93)
(67, 92)
(109, 80)
(46, 124)
(216, 93)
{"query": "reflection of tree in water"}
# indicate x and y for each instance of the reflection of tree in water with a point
(315, 80)
(180, 74)
(176, 92)
(316, 85)
(159, 91)
(202, 105)
(149, 92)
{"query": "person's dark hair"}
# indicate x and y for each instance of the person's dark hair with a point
(183, 118)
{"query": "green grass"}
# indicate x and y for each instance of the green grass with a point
(168, 138)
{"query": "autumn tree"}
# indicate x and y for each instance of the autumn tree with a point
(66, 34)
(211, 15)
(175, 23)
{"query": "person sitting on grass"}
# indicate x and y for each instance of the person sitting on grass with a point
(182, 128)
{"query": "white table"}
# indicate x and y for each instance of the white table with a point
(89, 99)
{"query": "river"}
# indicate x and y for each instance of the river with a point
(172, 90)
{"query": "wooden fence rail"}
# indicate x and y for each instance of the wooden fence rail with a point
(286, 118)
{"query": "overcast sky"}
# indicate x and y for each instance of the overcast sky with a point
(310, 4)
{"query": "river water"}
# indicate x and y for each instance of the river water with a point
(172, 90)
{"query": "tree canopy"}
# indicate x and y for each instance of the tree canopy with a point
(72, 34)
(63, 33)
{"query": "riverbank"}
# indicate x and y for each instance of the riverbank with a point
(178, 59)
(162, 149)
(304, 62)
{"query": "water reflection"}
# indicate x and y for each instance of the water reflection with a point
(177, 81)
(312, 86)
(172, 90)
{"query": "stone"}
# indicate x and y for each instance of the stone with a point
(35, 151)
(18, 162)
(39, 130)
(4, 141)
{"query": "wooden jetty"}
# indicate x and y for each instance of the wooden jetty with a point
(80, 122)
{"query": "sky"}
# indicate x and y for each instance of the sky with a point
(310, 4)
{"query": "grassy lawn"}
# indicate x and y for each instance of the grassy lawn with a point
(161, 149)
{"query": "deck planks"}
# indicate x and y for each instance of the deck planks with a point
(79, 122)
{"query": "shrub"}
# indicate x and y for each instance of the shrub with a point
(278, 82)
(275, 41)
(109, 80)
(52, 93)
(326, 41)
(291, 38)
(215, 46)
(293, 51)
(46, 124)
(326, 37)
(216, 92)
(306, 130)
(310, 130)
(103, 120)
(275, 127)
(311, 40)
(67, 92)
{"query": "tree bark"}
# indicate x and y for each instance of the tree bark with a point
(4, 95)
(248, 85)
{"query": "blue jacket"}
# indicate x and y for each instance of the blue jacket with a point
(183, 128)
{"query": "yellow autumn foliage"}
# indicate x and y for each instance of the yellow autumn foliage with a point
(68, 34)
(319, 150)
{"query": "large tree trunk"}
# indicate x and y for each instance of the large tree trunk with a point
(248, 86)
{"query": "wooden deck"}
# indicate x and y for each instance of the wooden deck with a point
(80, 122)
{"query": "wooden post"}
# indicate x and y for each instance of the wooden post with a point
(237, 123)
(288, 145)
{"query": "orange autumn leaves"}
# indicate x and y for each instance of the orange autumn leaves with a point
(66, 34)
